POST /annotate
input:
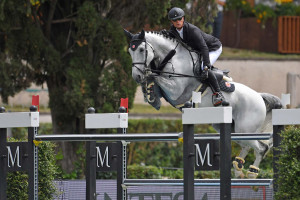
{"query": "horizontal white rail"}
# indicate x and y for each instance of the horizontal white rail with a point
(286, 116)
(197, 182)
(19, 119)
(106, 120)
(148, 137)
(209, 115)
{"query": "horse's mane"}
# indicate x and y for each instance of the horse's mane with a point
(172, 39)
(159, 33)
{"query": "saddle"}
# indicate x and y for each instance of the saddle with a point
(222, 77)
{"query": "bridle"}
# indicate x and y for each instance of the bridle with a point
(147, 71)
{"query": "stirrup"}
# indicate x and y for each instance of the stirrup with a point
(219, 99)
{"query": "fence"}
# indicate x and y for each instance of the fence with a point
(116, 159)
(289, 34)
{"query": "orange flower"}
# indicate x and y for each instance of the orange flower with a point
(258, 21)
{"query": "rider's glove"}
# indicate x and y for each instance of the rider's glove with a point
(204, 75)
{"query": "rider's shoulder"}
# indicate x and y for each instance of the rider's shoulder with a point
(189, 25)
(192, 28)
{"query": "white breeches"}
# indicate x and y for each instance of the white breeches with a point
(214, 55)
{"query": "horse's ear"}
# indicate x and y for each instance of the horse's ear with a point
(142, 34)
(128, 34)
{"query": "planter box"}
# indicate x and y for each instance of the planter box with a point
(289, 34)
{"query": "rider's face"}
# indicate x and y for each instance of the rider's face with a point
(178, 23)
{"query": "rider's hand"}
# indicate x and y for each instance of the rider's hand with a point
(207, 67)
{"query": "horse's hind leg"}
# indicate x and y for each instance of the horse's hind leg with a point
(239, 161)
(260, 150)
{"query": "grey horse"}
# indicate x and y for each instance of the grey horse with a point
(167, 67)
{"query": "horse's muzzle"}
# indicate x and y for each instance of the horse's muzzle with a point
(138, 76)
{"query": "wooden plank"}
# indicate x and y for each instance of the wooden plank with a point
(293, 38)
(297, 42)
(280, 34)
(289, 32)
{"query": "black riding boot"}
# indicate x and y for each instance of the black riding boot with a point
(218, 98)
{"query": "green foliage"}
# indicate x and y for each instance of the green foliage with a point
(287, 9)
(78, 170)
(263, 13)
(154, 153)
(239, 5)
(17, 182)
(289, 165)
(81, 56)
(144, 172)
(200, 12)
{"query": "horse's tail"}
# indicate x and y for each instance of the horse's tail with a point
(271, 102)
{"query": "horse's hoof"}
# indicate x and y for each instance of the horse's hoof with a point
(238, 163)
(253, 172)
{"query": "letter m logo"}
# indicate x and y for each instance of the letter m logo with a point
(106, 155)
(207, 154)
(15, 156)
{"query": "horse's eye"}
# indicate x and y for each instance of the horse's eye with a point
(141, 50)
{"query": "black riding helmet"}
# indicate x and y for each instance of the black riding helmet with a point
(175, 13)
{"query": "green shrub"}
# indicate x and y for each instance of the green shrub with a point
(17, 182)
(143, 172)
(289, 165)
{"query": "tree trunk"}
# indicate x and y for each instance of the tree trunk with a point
(63, 124)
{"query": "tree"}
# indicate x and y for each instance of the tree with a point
(78, 48)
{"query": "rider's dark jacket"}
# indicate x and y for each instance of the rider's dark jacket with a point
(198, 40)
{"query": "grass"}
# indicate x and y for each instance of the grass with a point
(231, 53)
(137, 108)
(146, 108)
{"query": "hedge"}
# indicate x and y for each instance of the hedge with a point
(17, 182)
(289, 165)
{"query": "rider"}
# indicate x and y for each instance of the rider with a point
(207, 45)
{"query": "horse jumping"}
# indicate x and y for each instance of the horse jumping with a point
(166, 68)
